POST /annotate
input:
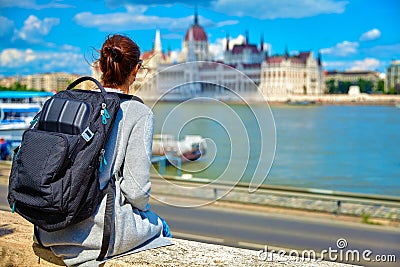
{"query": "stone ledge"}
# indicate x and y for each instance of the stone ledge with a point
(16, 250)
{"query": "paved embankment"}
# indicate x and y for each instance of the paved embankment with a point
(339, 99)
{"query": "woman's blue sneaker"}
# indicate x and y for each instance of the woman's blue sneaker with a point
(166, 231)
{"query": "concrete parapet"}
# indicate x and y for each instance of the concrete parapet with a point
(16, 250)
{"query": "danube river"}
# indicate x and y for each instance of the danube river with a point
(344, 148)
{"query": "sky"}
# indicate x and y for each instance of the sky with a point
(39, 36)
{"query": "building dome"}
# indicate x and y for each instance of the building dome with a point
(198, 33)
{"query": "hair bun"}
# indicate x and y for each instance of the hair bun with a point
(114, 52)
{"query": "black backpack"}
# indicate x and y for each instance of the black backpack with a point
(54, 176)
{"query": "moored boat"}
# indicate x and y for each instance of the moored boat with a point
(191, 148)
(17, 109)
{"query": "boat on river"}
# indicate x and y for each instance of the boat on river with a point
(17, 109)
(190, 148)
(17, 116)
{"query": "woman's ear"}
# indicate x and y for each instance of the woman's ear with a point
(132, 76)
(136, 69)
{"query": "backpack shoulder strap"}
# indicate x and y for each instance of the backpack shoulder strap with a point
(108, 221)
(136, 98)
(130, 97)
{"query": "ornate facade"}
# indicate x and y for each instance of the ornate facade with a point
(245, 71)
(291, 75)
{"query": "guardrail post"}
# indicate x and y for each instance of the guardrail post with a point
(339, 204)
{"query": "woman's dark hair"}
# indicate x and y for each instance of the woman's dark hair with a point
(118, 56)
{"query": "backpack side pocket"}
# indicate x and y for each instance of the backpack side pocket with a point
(37, 180)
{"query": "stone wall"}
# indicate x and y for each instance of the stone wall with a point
(16, 249)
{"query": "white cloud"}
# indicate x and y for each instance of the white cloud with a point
(12, 58)
(31, 4)
(273, 9)
(34, 29)
(218, 47)
(42, 61)
(175, 55)
(344, 48)
(226, 23)
(119, 3)
(139, 9)
(370, 35)
(7, 26)
(135, 19)
(261, 9)
(127, 21)
(365, 64)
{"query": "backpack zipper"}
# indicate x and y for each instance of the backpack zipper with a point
(104, 113)
(102, 160)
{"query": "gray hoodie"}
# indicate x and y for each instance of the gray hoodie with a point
(135, 227)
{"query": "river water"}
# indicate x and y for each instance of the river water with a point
(344, 148)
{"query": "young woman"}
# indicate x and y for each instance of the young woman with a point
(128, 151)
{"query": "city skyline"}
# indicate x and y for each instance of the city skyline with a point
(61, 36)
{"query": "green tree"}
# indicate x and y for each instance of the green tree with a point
(381, 86)
(343, 87)
(330, 86)
(17, 86)
(392, 91)
(365, 86)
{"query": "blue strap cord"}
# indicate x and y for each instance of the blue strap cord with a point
(13, 207)
(103, 119)
(101, 167)
(34, 121)
(104, 116)
(102, 164)
(103, 161)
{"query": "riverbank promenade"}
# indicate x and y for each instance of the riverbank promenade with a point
(338, 99)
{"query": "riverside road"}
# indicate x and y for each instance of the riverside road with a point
(255, 230)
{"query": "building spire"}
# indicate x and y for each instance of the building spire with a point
(262, 42)
(247, 37)
(286, 51)
(196, 16)
(157, 41)
(319, 59)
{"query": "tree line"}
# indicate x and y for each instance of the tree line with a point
(17, 86)
(366, 86)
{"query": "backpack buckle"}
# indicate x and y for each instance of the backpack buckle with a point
(87, 134)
